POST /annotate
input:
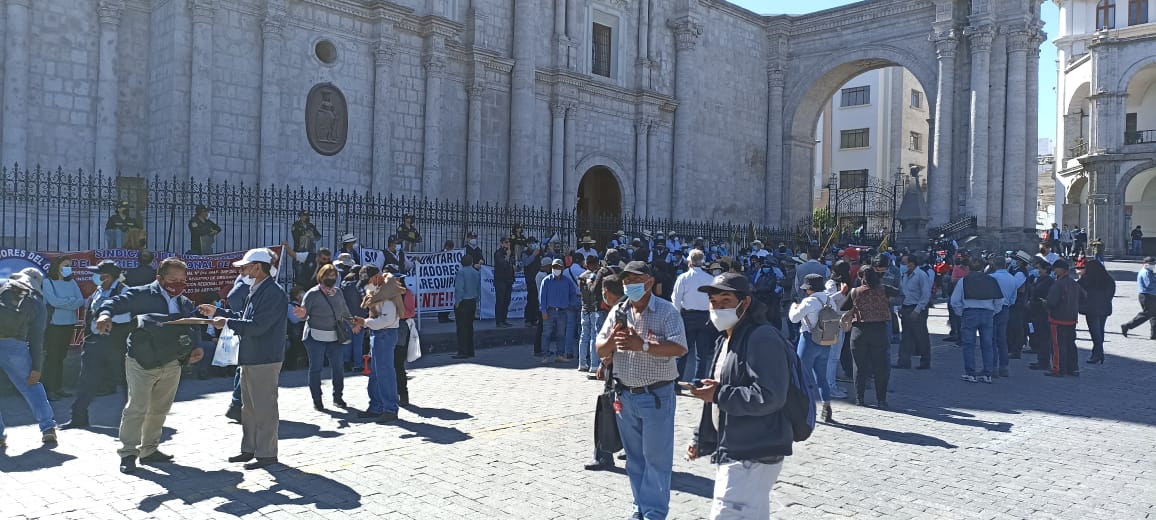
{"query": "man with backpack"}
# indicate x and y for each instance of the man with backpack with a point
(23, 317)
(819, 330)
(745, 425)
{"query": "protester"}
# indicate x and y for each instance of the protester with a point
(305, 233)
(467, 290)
(383, 299)
(870, 318)
(503, 283)
(812, 355)
(694, 308)
(1009, 286)
(324, 310)
(202, 231)
(573, 272)
(976, 299)
(530, 262)
(768, 288)
(916, 289)
(644, 338)
(444, 316)
(1064, 299)
(473, 249)
(296, 355)
(349, 244)
(407, 232)
(1146, 284)
(143, 273)
(612, 293)
(153, 363)
(838, 287)
(22, 320)
(260, 326)
(353, 291)
(808, 264)
(1100, 289)
(590, 289)
(1040, 329)
(742, 422)
(401, 353)
(63, 297)
(557, 295)
(102, 356)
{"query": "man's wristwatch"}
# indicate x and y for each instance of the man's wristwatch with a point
(645, 346)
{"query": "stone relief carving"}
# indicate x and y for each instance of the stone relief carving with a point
(326, 119)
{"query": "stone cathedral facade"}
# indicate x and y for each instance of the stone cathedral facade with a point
(662, 108)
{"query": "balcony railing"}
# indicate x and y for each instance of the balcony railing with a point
(1079, 147)
(1140, 136)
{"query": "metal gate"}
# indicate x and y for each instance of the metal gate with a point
(864, 207)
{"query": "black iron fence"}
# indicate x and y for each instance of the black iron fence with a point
(62, 210)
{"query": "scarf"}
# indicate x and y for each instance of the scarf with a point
(390, 290)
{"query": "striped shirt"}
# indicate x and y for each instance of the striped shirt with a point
(660, 321)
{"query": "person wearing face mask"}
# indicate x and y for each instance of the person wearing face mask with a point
(813, 355)
(153, 364)
(473, 250)
(643, 338)
(260, 324)
(202, 231)
(324, 310)
(305, 233)
(353, 288)
(693, 306)
(503, 283)
(742, 426)
(63, 297)
(102, 357)
(119, 223)
(394, 254)
(467, 290)
(530, 262)
(407, 232)
(556, 297)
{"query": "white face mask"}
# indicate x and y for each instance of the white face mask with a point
(557, 272)
(724, 319)
(473, 242)
(248, 280)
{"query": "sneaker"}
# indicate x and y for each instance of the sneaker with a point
(49, 436)
(985, 379)
(969, 378)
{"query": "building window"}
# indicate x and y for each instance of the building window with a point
(856, 96)
(858, 138)
(916, 99)
(915, 142)
(601, 59)
(1106, 14)
(1137, 12)
(852, 179)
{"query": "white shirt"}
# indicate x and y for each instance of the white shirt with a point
(174, 304)
(386, 318)
(686, 294)
(806, 312)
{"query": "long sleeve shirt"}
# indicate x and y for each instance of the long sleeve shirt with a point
(686, 295)
(557, 292)
(806, 312)
(467, 285)
(64, 297)
(959, 303)
(916, 289)
(99, 296)
(1009, 285)
(387, 317)
(1146, 280)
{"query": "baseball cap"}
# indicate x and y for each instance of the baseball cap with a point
(814, 282)
(558, 263)
(728, 282)
(108, 267)
(259, 254)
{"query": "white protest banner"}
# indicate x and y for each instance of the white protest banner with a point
(435, 273)
(489, 296)
(374, 257)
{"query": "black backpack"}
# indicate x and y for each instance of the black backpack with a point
(14, 315)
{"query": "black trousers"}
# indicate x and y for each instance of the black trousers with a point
(1041, 339)
(502, 293)
(916, 341)
(532, 314)
(775, 312)
(464, 314)
(1017, 329)
(399, 355)
(1147, 314)
(101, 366)
(1064, 349)
(870, 347)
(57, 339)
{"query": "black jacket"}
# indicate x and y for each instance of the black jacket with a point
(752, 390)
(261, 324)
(503, 266)
(1098, 301)
(149, 345)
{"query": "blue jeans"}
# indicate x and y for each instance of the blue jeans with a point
(999, 339)
(382, 386)
(587, 342)
(700, 344)
(814, 356)
(1137, 247)
(982, 322)
(17, 363)
(319, 351)
(833, 361)
(353, 351)
(554, 329)
(573, 320)
(646, 425)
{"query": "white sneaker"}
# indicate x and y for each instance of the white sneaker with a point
(969, 378)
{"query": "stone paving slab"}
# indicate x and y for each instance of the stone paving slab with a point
(505, 437)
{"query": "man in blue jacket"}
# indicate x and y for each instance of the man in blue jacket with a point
(742, 423)
(260, 324)
(152, 368)
(1146, 283)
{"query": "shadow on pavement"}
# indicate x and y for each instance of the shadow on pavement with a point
(437, 413)
(956, 417)
(32, 460)
(692, 484)
(916, 439)
(300, 430)
(431, 432)
(291, 486)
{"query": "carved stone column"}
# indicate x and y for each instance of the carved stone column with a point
(474, 92)
(941, 174)
(15, 114)
(1015, 175)
(271, 46)
(431, 175)
(641, 160)
(642, 64)
(201, 90)
(107, 91)
(773, 182)
(383, 101)
(1032, 106)
(980, 37)
(570, 177)
(997, 110)
(520, 185)
(557, 155)
(687, 31)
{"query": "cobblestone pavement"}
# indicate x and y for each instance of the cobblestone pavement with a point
(505, 437)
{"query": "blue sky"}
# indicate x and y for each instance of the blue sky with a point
(1051, 15)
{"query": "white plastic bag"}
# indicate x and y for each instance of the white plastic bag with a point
(228, 347)
(414, 348)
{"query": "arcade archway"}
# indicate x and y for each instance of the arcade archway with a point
(599, 204)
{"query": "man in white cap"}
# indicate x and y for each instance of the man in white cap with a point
(22, 321)
(261, 327)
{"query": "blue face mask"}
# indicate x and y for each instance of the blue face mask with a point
(1034, 272)
(66, 271)
(635, 291)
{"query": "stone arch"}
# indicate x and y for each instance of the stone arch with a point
(595, 159)
(1079, 95)
(1134, 69)
(1127, 176)
(1077, 192)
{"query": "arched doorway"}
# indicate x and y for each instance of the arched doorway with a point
(599, 204)
(1140, 206)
